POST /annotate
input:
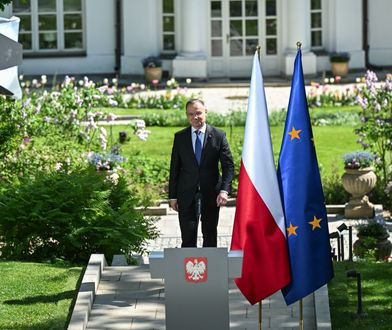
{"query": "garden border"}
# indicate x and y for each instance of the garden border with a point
(321, 308)
(87, 291)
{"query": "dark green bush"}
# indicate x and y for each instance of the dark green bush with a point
(334, 192)
(379, 196)
(165, 119)
(150, 175)
(319, 117)
(69, 216)
(372, 229)
(170, 119)
(277, 118)
(342, 57)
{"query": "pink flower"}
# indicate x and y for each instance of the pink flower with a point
(315, 84)
(103, 88)
(111, 117)
(113, 103)
(26, 139)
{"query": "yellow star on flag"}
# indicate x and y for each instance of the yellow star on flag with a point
(292, 230)
(295, 133)
(315, 223)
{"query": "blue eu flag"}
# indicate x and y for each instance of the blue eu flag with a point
(303, 198)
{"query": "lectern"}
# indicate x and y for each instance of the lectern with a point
(196, 285)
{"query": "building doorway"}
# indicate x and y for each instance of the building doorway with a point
(236, 28)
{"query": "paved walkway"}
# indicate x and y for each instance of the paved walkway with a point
(227, 99)
(127, 298)
(231, 98)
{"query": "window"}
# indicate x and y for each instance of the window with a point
(216, 28)
(168, 27)
(50, 25)
(271, 30)
(243, 27)
(316, 24)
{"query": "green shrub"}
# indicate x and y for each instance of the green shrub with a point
(277, 118)
(150, 175)
(9, 133)
(379, 195)
(372, 243)
(320, 117)
(71, 215)
(40, 154)
(324, 118)
(342, 57)
(372, 229)
(165, 119)
(334, 192)
(375, 130)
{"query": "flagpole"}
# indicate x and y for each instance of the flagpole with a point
(260, 315)
(258, 48)
(301, 315)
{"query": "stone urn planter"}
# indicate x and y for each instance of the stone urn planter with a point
(152, 74)
(339, 68)
(373, 240)
(152, 69)
(358, 183)
(339, 63)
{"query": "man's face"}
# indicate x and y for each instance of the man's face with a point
(196, 113)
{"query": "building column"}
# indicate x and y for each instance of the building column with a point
(191, 62)
(298, 29)
(190, 34)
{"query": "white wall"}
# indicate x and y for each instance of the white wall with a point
(141, 26)
(142, 19)
(346, 30)
(380, 37)
(100, 44)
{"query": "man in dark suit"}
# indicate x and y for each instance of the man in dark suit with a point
(195, 186)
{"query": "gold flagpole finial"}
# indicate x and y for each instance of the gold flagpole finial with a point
(299, 45)
(258, 48)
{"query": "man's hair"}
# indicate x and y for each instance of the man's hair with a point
(193, 101)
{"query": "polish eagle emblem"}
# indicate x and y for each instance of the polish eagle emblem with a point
(195, 269)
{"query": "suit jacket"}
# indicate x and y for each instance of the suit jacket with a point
(186, 176)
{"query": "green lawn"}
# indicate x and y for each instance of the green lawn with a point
(36, 296)
(377, 296)
(331, 142)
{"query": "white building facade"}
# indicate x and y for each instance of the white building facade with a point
(199, 38)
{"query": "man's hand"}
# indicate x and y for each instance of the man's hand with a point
(221, 200)
(173, 204)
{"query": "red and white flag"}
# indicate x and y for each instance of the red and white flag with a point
(259, 227)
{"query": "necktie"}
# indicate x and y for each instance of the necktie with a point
(198, 146)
